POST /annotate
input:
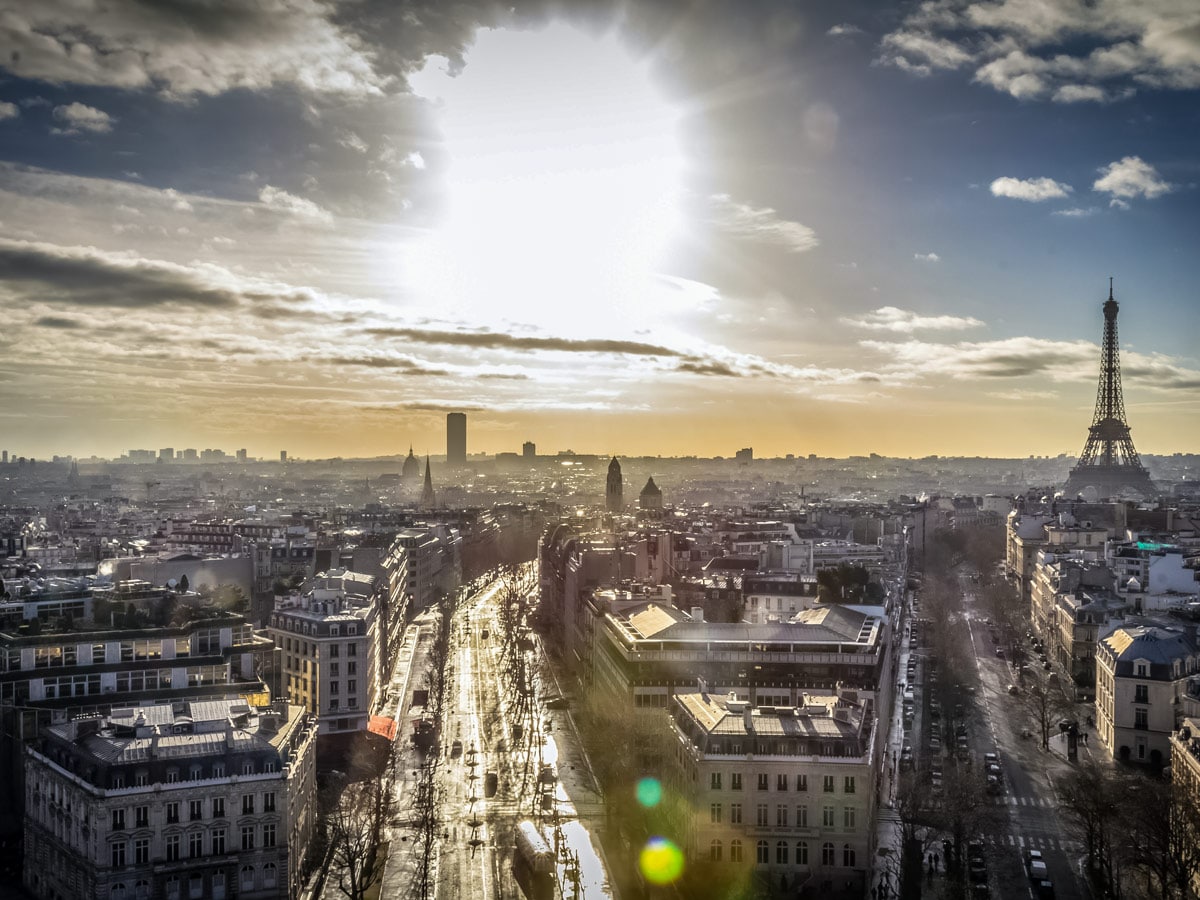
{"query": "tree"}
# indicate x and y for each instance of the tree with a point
(354, 826)
(1044, 703)
(1162, 836)
(183, 584)
(1091, 796)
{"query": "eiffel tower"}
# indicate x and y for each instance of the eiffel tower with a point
(1108, 463)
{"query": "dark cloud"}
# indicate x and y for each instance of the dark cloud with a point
(381, 362)
(494, 340)
(58, 322)
(84, 276)
(702, 367)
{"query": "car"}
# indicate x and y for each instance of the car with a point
(1013, 689)
(960, 729)
(1044, 889)
(995, 638)
(909, 696)
(456, 748)
(992, 758)
(1000, 653)
(995, 787)
(1046, 665)
(1032, 855)
(1037, 869)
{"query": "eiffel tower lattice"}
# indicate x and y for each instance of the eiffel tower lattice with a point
(1109, 463)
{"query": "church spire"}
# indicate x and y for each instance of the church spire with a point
(428, 498)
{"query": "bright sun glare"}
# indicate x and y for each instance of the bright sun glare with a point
(563, 189)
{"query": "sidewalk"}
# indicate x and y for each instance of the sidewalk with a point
(887, 839)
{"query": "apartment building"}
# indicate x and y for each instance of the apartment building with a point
(1141, 679)
(788, 793)
(330, 637)
(191, 799)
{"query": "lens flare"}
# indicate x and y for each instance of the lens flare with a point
(649, 792)
(661, 861)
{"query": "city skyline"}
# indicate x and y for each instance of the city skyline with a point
(633, 228)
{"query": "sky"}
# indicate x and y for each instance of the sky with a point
(672, 227)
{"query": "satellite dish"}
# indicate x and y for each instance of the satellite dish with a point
(172, 583)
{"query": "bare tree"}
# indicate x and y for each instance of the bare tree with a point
(1092, 797)
(354, 824)
(1044, 703)
(1162, 837)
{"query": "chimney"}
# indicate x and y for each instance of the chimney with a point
(698, 613)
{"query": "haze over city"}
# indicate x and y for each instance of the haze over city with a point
(645, 227)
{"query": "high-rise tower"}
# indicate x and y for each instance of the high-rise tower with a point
(456, 439)
(614, 487)
(1108, 463)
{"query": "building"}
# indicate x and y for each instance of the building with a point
(1141, 679)
(456, 439)
(410, 472)
(209, 799)
(614, 488)
(166, 455)
(651, 496)
(788, 793)
(1185, 772)
(529, 451)
(330, 637)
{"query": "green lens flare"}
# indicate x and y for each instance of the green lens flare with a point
(661, 861)
(649, 792)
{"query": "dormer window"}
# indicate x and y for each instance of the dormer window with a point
(334, 630)
(1140, 669)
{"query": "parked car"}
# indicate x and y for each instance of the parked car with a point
(1037, 870)
(1013, 689)
(1000, 652)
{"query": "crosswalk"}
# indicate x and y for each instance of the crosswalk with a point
(1043, 843)
(1010, 800)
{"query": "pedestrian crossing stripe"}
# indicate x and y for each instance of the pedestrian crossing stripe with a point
(1022, 842)
(1009, 800)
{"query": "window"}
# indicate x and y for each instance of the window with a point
(714, 781)
(1141, 718)
(172, 812)
(801, 816)
(781, 783)
(118, 854)
(1141, 670)
(334, 687)
(173, 887)
(802, 782)
(827, 784)
(848, 818)
(269, 802)
(1141, 693)
(848, 856)
(333, 670)
(268, 835)
(195, 810)
(781, 853)
(352, 649)
(172, 775)
(735, 781)
(735, 814)
(172, 848)
(827, 817)
(714, 813)
(117, 891)
(118, 820)
(218, 808)
(218, 842)
(760, 815)
(848, 784)
(762, 781)
(735, 851)
(352, 686)
(828, 856)
(269, 875)
(247, 837)
(247, 804)
(248, 767)
(195, 845)
(352, 668)
(781, 816)
(141, 851)
(802, 853)
(141, 779)
(334, 650)
(763, 855)
(141, 815)
(218, 886)
(218, 770)
(714, 851)
(247, 879)
(195, 886)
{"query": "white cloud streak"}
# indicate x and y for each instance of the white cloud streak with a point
(763, 224)
(927, 257)
(300, 207)
(77, 117)
(8, 111)
(1033, 190)
(891, 318)
(1129, 178)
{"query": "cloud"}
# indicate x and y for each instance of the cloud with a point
(496, 340)
(1022, 396)
(8, 111)
(697, 367)
(843, 30)
(281, 201)
(1075, 212)
(1129, 178)
(927, 257)
(59, 322)
(86, 276)
(352, 141)
(77, 117)
(1031, 189)
(762, 224)
(890, 318)
(1058, 50)
(181, 49)
(1008, 358)
(407, 366)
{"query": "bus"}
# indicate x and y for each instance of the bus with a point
(533, 863)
